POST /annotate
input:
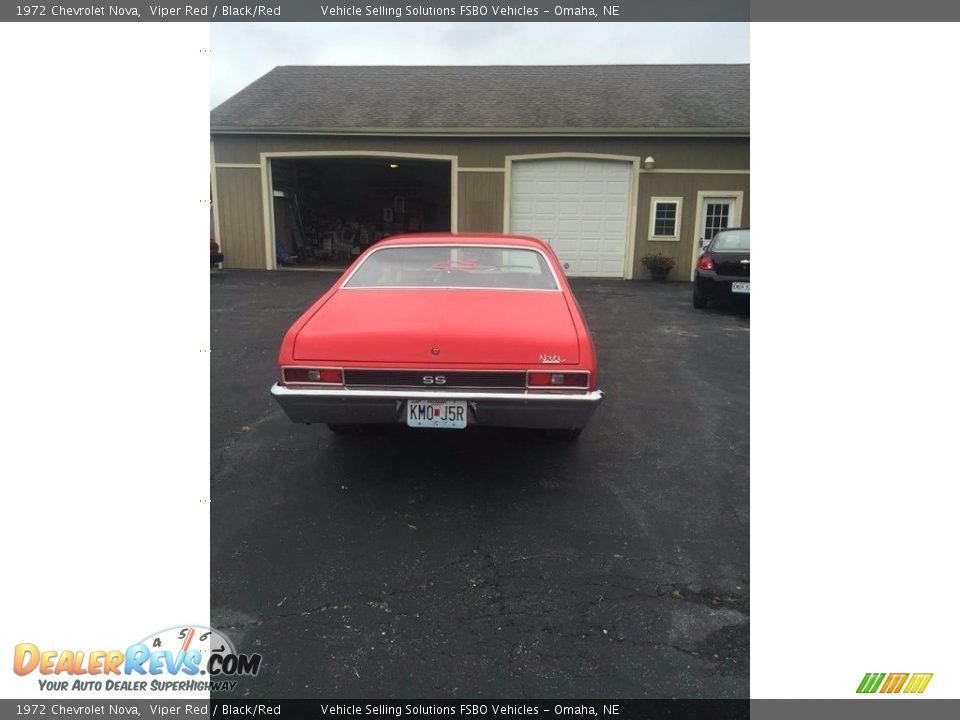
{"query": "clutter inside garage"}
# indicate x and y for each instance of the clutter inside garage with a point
(328, 210)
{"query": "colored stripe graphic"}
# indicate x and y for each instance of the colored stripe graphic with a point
(894, 682)
(918, 682)
(870, 682)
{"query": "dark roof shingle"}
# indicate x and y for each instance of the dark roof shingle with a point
(496, 98)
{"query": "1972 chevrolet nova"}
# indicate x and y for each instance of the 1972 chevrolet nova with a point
(443, 331)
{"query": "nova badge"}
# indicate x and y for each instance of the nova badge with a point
(551, 359)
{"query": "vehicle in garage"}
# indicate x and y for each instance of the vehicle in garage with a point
(328, 210)
(722, 271)
(443, 331)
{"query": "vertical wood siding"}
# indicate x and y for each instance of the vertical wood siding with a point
(480, 202)
(676, 152)
(240, 206)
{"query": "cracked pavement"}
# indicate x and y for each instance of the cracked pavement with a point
(487, 563)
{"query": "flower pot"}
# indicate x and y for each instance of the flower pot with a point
(659, 273)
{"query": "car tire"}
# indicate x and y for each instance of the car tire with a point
(698, 302)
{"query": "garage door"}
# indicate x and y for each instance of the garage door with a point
(579, 206)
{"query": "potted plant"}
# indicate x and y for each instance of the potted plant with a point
(658, 264)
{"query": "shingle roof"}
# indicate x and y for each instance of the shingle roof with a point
(714, 98)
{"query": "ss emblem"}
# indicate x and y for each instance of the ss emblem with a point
(434, 380)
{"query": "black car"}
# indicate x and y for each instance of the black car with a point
(723, 268)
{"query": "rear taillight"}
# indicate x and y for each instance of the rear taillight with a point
(705, 262)
(558, 380)
(313, 376)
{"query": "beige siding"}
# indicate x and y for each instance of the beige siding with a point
(247, 148)
(686, 186)
(240, 205)
(711, 153)
(480, 202)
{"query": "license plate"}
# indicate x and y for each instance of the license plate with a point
(437, 413)
(740, 287)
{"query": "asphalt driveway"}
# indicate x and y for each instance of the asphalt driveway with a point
(489, 564)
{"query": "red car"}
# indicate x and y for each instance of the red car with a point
(443, 331)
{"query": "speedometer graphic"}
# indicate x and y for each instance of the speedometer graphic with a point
(184, 640)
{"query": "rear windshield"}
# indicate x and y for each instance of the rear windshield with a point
(454, 267)
(732, 241)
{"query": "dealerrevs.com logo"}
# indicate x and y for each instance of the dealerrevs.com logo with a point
(910, 683)
(185, 658)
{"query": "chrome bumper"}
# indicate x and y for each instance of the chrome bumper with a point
(385, 407)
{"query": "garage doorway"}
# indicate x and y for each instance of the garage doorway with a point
(327, 210)
(581, 206)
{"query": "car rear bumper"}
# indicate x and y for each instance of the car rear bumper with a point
(719, 286)
(385, 407)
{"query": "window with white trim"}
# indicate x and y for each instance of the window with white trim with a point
(665, 218)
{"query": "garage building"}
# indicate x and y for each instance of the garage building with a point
(310, 165)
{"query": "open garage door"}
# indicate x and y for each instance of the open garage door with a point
(328, 210)
(579, 206)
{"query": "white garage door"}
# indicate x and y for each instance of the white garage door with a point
(578, 206)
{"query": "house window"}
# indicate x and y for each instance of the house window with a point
(665, 218)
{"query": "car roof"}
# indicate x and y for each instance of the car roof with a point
(462, 239)
(729, 229)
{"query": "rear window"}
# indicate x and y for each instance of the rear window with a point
(447, 266)
(732, 241)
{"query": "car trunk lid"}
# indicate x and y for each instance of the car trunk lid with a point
(735, 264)
(441, 327)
